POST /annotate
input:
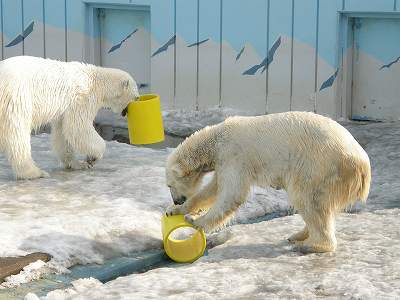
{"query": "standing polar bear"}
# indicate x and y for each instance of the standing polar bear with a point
(36, 91)
(316, 160)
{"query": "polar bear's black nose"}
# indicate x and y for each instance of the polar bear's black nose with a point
(180, 200)
(125, 111)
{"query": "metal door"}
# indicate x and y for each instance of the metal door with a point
(125, 43)
(376, 69)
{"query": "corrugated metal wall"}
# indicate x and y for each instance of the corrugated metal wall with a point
(258, 56)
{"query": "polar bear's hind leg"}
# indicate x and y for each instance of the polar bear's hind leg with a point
(18, 151)
(299, 236)
(320, 221)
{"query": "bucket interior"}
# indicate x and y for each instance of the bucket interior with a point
(147, 97)
(184, 244)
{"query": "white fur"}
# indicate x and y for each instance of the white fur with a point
(316, 160)
(36, 91)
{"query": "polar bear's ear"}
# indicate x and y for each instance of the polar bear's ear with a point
(125, 84)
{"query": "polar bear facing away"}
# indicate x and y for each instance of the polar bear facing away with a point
(316, 160)
(36, 91)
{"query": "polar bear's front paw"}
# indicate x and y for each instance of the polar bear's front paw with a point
(78, 165)
(173, 210)
(194, 222)
(189, 218)
(44, 174)
(91, 161)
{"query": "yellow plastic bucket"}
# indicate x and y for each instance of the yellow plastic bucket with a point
(184, 251)
(145, 124)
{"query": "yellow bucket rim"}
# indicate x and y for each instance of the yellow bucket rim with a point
(146, 97)
(183, 223)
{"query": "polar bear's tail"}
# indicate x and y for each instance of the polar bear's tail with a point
(362, 181)
(356, 181)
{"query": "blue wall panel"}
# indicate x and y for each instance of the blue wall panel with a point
(1, 30)
(186, 53)
(209, 53)
(304, 54)
(279, 74)
(369, 5)
(244, 49)
(163, 43)
(76, 24)
(327, 53)
(263, 64)
(12, 22)
(33, 16)
(55, 29)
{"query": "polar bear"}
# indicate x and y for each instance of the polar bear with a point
(36, 91)
(316, 160)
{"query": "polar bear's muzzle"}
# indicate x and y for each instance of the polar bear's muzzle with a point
(125, 110)
(177, 197)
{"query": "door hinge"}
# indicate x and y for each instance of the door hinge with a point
(101, 13)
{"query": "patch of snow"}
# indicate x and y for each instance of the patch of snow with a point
(382, 143)
(82, 217)
(185, 122)
(89, 216)
(256, 262)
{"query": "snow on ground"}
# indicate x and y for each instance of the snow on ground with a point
(87, 216)
(382, 143)
(257, 263)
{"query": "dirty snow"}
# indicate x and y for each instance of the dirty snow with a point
(256, 262)
(89, 216)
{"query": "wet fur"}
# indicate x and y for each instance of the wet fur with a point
(316, 160)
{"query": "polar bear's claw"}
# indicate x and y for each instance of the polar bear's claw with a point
(91, 161)
(173, 210)
(78, 165)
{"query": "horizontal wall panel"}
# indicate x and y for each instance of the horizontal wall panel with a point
(369, 5)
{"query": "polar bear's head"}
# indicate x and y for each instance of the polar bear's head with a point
(183, 185)
(119, 90)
